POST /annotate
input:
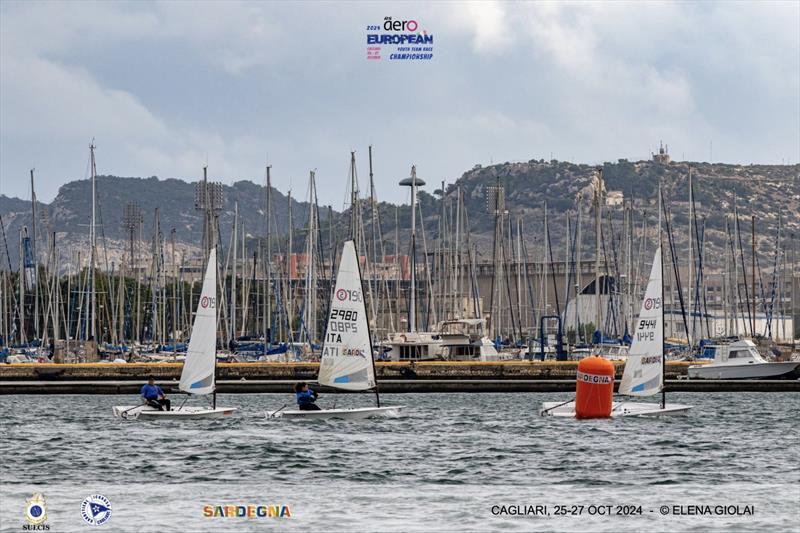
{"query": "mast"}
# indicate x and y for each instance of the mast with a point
(663, 357)
(233, 277)
(578, 284)
(753, 275)
(174, 296)
(92, 239)
(369, 334)
(35, 262)
(310, 314)
(268, 264)
(691, 262)
(597, 238)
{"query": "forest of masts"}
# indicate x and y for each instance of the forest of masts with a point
(150, 296)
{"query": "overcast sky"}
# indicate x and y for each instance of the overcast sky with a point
(164, 87)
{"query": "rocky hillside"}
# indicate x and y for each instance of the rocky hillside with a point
(769, 192)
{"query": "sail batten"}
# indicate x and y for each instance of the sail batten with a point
(643, 375)
(346, 352)
(197, 376)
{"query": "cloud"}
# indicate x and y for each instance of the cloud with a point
(163, 86)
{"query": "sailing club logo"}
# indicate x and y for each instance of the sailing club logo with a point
(96, 510)
(246, 511)
(206, 302)
(36, 513)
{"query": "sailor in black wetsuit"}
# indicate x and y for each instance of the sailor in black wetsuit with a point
(306, 397)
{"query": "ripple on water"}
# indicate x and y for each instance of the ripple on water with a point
(442, 445)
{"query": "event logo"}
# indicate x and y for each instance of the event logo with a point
(403, 40)
(36, 513)
(96, 510)
(247, 511)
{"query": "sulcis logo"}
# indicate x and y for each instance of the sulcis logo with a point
(36, 513)
(96, 510)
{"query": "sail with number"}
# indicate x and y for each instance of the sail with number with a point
(198, 369)
(346, 353)
(643, 375)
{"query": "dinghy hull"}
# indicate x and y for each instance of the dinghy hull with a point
(183, 413)
(342, 414)
(618, 409)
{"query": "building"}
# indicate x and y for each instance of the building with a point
(662, 156)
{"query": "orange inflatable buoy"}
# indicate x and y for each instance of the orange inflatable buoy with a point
(594, 390)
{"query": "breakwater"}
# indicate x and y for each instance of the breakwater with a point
(503, 376)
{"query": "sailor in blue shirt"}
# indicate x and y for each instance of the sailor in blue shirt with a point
(154, 396)
(306, 397)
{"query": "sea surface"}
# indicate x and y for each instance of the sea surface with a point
(450, 462)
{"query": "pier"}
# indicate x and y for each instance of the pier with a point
(420, 377)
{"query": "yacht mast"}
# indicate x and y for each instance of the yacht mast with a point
(93, 252)
(597, 238)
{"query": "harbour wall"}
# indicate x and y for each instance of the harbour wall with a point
(393, 377)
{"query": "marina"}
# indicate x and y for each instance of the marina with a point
(453, 267)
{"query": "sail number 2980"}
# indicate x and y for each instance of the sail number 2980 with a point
(344, 314)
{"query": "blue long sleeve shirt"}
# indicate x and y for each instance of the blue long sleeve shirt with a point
(151, 392)
(306, 397)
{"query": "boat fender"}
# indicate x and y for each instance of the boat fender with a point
(594, 390)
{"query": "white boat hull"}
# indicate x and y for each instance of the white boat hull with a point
(743, 371)
(343, 414)
(183, 413)
(618, 409)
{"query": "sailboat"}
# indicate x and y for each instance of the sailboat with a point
(347, 362)
(199, 369)
(644, 368)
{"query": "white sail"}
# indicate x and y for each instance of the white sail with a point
(644, 374)
(346, 352)
(198, 370)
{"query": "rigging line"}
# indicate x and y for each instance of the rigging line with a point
(675, 267)
(552, 267)
(703, 275)
(774, 279)
(744, 276)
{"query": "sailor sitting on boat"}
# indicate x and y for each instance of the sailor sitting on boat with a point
(306, 397)
(154, 396)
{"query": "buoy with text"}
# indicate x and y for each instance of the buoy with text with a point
(594, 390)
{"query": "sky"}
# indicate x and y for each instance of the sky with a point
(164, 88)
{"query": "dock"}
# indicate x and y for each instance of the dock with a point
(393, 377)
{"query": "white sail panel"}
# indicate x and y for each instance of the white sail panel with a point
(198, 369)
(346, 351)
(643, 374)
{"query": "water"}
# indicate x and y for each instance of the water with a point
(448, 463)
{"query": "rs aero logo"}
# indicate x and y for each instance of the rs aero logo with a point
(399, 25)
(344, 295)
(36, 513)
(96, 510)
(206, 302)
